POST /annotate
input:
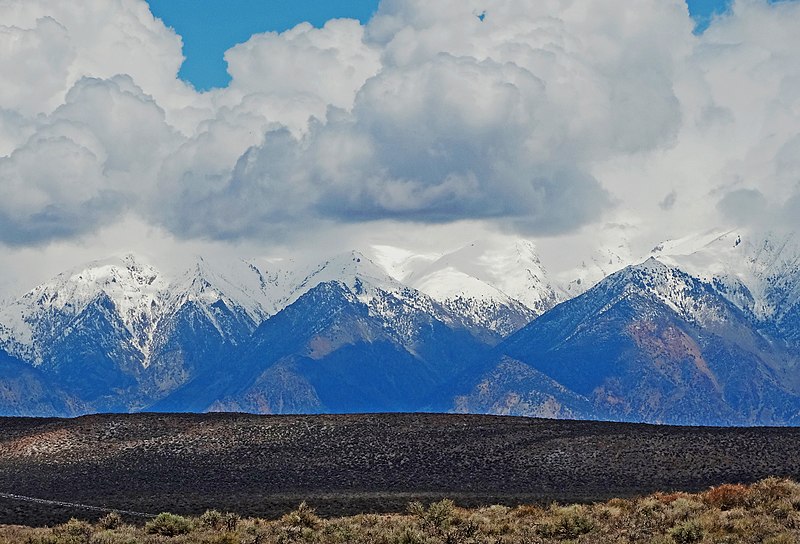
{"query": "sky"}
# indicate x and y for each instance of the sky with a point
(211, 27)
(236, 128)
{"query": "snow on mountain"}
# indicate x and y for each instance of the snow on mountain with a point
(119, 334)
(398, 262)
(133, 287)
(693, 299)
(497, 284)
(508, 266)
(597, 265)
(403, 309)
(757, 271)
(353, 269)
(260, 292)
(142, 297)
(652, 343)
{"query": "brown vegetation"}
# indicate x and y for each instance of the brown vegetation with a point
(768, 512)
(263, 466)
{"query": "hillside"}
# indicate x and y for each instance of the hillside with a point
(265, 465)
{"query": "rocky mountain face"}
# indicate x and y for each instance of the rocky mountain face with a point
(26, 391)
(704, 331)
(359, 343)
(119, 336)
(653, 344)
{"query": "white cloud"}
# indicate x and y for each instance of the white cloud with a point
(95, 156)
(38, 57)
(61, 42)
(544, 117)
(61, 196)
(130, 124)
(328, 64)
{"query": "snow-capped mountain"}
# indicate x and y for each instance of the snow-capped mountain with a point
(351, 338)
(121, 334)
(32, 323)
(500, 285)
(258, 291)
(124, 336)
(705, 330)
(757, 271)
(510, 266)
(652, 343)
(597, 265)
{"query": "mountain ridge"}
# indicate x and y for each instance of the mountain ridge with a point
(675, 334)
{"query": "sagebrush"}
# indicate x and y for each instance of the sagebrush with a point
(767, 511)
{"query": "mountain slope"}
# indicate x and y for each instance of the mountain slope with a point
(26, 391)
(371, 345)
(512, 388)
(34, 321)
(651, 343)
(712, 336)
(757, 271)
(121, 335)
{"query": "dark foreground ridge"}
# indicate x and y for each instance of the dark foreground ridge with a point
(343, 464)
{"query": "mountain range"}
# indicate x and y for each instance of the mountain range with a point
(703, 330)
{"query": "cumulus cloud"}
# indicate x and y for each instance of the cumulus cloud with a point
(544, 117)
(39, 58)
(487, 147)
(84, 164)
(61, 42)
(61, 196)
(497, 118)
(329, 64)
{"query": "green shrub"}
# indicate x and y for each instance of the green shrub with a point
(772, 490)
(687, 533)
(302, 517)
(112, 537)
(231, 520)
(167, 524)
(437, 518)
(410, 536)
(213, 519)
(74, 531)
(111, 520)
(567, 524)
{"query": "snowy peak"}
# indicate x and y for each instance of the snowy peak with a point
(693, 299)
(237, 284)
(128, 282)
(599, 264)
(398, 262)
(498, 285)
(353, 269)
(133, 287)
(757, 271)
(501, 270)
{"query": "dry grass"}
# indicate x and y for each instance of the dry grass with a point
(767, 511)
